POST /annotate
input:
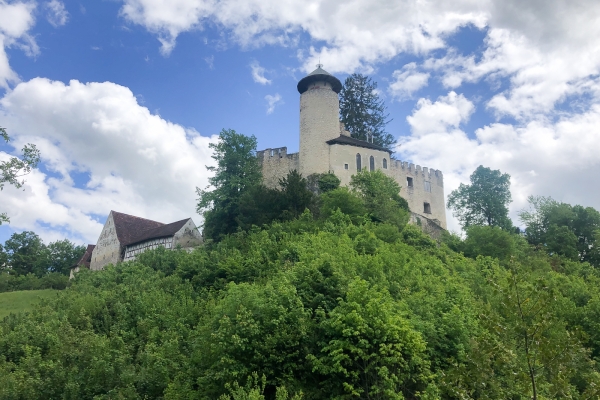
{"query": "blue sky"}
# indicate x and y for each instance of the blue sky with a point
(123, 97)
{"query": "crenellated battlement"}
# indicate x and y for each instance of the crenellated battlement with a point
(418, 171)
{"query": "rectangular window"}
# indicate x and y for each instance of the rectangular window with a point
(345, 166)
(409, 182)
(427, 186)
(427, 208)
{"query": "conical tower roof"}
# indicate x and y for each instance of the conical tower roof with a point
(319, 75)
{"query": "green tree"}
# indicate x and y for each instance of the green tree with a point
(560, 228)
(295, 195)
(13, 170)
(483, 202)
(381, 197)
(369, 351)
(236, 171)
(62, 255)
(489, 241)
(363, 112)
(27, 254)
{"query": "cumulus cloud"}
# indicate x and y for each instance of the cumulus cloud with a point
(57, 15)
(407, 81)
(355, 33)
(134, 161)
(272, 101)
(16, 19)
(258, 73)
(532, 43)
(557, 159)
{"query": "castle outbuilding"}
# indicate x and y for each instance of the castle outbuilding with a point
(125, 236)
(325, 146)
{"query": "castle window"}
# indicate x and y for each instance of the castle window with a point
(384, 163)
(427, 208)
(272, 153)
(372, 163)
(409, 182)
(427, 186)
(345, 166)
(358, 162)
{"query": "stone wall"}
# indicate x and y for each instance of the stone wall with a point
(188, 236)
(276, 163)
(108, 248)
(432, 228)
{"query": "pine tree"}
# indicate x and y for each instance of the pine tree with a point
(363, 112)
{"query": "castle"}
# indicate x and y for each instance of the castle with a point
(325, 146)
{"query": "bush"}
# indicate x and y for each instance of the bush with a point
(53, 280)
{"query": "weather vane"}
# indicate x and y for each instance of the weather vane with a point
(319, 65)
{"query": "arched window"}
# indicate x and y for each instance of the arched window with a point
(372, 163)
(358, 162)
(385, 163)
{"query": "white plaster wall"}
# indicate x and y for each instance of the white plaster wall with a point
(415, 196)
(108, 248)
(188, 236)
(319, 122)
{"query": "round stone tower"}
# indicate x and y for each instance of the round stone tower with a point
(319, 119)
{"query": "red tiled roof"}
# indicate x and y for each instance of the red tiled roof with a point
(127, 227)
(86, 258)
(155, 233)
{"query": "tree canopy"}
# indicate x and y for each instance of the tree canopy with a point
(14, 169)
(485, 201)
(363, 112)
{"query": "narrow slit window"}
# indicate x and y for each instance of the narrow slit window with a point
(272, 153)
(384, 163)
(427, 208)
(427, 186)
(345, 166)
(372, 163)
(358, 162)
(409, 182)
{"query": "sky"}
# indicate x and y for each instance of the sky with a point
(123, 97)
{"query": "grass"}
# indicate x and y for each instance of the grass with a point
(22, 301)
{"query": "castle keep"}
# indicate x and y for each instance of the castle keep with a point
(326, 146)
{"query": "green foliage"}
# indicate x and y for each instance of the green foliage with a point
(490, 241)
(236, 171)
(560, 228)
(295, 195)
(483, 202)
(363, 112)
(52, 280)
(381, 196)
(339, 306)
(25, 253)
(15, 168)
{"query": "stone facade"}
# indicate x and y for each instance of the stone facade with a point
(326, 146)
(108, 247)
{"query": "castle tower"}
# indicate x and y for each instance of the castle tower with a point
(319, 119)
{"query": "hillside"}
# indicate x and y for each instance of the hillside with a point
(22, 301)
(318, 309)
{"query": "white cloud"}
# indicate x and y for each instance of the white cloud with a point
(557, 159)
(547, 49)
(57, 15)
(448, 112)
(258, 73)
(407, 81)
(137, 162)
(272, 101)
(16, 19)
(356, 33)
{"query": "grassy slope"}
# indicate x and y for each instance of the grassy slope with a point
(13, 302)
